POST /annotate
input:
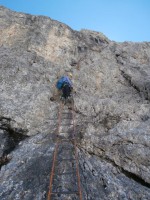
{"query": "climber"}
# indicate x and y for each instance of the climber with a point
(65, 85)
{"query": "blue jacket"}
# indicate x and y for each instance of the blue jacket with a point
(62, 80)
(67, 80)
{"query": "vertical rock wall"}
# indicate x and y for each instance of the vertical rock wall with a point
(112, 105)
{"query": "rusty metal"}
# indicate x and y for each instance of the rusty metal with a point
(52, 173)
(76, 156)
(58, 141)
(54, 157)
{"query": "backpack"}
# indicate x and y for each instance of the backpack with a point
(60, 82)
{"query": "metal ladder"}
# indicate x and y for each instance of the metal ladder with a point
(64, 147)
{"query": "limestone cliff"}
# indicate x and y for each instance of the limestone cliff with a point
(112, 100)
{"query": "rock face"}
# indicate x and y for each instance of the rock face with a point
(112, 105)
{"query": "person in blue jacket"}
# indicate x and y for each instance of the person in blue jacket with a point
(65, 85)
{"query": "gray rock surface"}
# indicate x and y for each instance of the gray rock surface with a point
(112, 105)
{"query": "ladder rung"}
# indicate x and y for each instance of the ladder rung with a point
(67, 118)
(66, 173)
(66, 149)
(67, 192)
(67, 159)
(66, 140)
(67, 124)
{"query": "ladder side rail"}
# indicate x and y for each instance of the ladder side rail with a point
(76, 154)
(55, 154)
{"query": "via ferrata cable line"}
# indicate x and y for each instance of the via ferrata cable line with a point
(70, 141)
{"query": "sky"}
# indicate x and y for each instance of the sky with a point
(119, 20)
